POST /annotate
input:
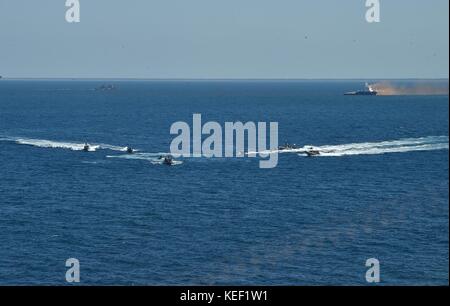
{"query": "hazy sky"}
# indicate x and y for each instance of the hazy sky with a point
(224, 39)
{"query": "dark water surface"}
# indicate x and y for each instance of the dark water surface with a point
(130, 220)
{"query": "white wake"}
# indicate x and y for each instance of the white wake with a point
(429, 143)
(154, 158)
(75, 146)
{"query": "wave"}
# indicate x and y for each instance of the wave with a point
(429, 143)
(74, 146)
(154, 158)
(114, 148)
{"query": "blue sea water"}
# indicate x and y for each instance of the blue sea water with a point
(309, 221)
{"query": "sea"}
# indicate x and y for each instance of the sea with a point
(381, 192)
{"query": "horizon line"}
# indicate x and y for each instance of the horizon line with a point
(224, 79)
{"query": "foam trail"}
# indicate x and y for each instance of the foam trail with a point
(44, 143)
(429, 143)
(113, 148)
(161, 162)
(154, 158)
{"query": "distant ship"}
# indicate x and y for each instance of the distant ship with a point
(369, 91)
(105, 87)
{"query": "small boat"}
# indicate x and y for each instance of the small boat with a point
(288, 146)
(311, 153)
(129, 150)
(86, 147)
(105, 87)
(168, 160)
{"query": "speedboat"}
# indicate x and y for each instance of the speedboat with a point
(311, 153)
(168, 160)
(86, 147)
(288, 146)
